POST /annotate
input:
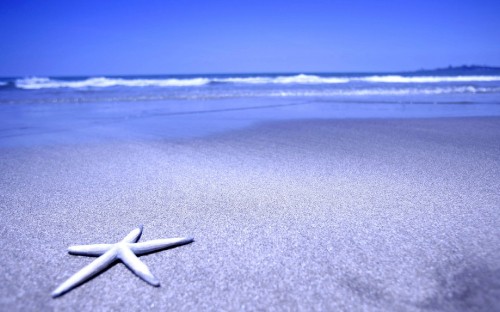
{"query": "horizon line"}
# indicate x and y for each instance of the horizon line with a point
(449, 67)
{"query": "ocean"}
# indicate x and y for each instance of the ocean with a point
(71, 109)
(373, 87)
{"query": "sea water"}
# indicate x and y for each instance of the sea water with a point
(463, 88)
(68, 109)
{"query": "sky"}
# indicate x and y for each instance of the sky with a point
(118, 37)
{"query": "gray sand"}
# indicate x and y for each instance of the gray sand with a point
(398, 215)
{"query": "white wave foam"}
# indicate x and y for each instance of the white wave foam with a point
(313, 79)
(297, 79)
(101, 82)
(393, 94)
(385, 91)
(3, 83)
(427, 79)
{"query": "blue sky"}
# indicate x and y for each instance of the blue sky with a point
(190, 36)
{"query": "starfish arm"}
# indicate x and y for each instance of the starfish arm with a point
(89, 250)
(158, 244)
(137, 266)
(94, 268)
(133, 236)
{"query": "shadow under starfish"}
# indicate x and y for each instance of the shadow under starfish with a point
(126, 251)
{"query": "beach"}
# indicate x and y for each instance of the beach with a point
(379, 214)
(250, 156)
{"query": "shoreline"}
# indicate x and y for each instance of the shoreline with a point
(46, 124)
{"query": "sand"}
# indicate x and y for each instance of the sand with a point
(339, 215)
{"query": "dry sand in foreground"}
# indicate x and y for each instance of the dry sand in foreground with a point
(327, 215)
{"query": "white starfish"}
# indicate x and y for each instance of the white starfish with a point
(126, 251)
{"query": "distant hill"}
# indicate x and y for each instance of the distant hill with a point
(460, 70)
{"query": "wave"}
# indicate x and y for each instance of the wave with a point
(427, 79)
(102, 82)
(3, 83)
(208, 94)
(313, 79)
(297, 79)
(388, 91)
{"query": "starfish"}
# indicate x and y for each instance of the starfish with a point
(126, 250)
